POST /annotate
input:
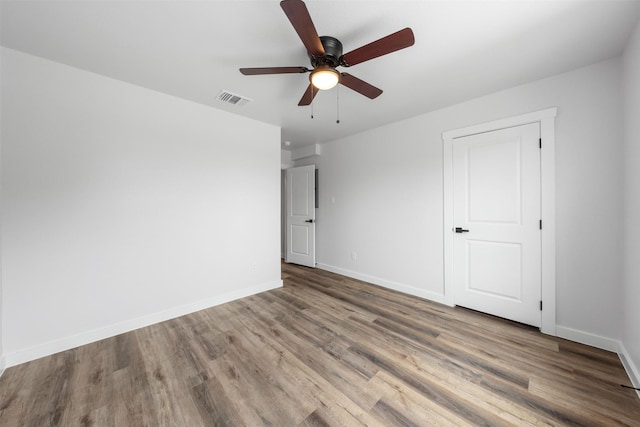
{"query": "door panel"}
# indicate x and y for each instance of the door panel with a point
(300, 216)
(300, 187)
(300, 240)
(494, 269)
(496, 184)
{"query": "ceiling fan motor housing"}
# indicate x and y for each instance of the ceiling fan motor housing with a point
(332, 52)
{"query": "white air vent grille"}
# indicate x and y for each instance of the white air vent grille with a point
(232, 98)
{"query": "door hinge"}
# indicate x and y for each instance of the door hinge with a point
(540, 305)
(540, 142)
(540, 224)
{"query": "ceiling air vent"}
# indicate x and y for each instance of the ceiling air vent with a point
(232, 98)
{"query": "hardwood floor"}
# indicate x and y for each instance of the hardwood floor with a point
(324, 350)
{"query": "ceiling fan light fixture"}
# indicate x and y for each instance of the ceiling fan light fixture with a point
(324, 77)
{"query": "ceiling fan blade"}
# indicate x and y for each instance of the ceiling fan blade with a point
(391, 43)
(308, 96)
(272, 70)
(360, 86)
(299, 16)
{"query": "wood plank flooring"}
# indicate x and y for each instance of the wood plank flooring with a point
(325, 350)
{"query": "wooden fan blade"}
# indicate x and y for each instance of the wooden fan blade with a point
(299, 17)
(360, 86)
(272, 70)
(308, 96)
(391, 43)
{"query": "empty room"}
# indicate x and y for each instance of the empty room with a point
(319, 213)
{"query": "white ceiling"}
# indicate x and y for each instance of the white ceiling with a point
(193, 49)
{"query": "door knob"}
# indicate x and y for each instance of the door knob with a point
(310, 221)
(461, 230)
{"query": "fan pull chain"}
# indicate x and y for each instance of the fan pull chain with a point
(312, 103)
(338, 104)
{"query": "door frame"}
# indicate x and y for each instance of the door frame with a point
(546, 120)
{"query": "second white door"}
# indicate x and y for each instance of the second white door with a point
(300, 202)
(496, 249)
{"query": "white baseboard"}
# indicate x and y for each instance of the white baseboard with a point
(630, 367)
(432, 296)
(2, 365)
(587, 338)
(66, 343)
(604, 343)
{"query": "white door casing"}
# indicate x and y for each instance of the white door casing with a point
(300, 216)
(496, 210)
(546, 121)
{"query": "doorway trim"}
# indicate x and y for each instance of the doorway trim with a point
(546, 119)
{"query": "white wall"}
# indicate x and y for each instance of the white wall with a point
(2, 359)
(123, 206)
(631, 88)
(381, 196)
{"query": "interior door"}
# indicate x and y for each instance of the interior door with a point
(300, 215)
(496, 208)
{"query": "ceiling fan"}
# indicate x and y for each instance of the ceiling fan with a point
(326, 55)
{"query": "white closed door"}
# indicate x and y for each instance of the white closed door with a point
(496, 248)
(300, 186)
